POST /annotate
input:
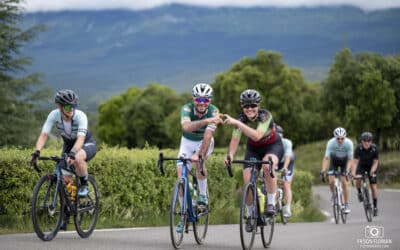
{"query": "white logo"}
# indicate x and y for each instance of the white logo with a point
(374, 232)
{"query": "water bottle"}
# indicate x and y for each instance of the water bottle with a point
(193, 193)
(71, 188)
(261, 199)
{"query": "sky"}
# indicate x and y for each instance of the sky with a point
(57, 5)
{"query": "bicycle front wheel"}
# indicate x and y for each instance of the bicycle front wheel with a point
(46, 215)
(248, 217)
(367, 205)
(177, 220)
(267, 231)
(336, 206)
(87, 210)
(200, 226)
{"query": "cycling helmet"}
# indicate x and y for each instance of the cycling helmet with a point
(65, 97)
(366, 136)
(202, 90)
(279, 129)
(249, 96)
(339, 132)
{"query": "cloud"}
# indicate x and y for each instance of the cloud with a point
(56, 5)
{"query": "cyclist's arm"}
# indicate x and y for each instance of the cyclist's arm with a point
(208, 134)
(78, 143)
(374, 166)
(325, 163)
(354, 168)
(286, 162)
(41, 141)
(233, 146)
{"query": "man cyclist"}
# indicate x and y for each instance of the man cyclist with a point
(199, 120)
(366, 157)
(262, 142)
(79, 144)
(339, 150)
(287, 166)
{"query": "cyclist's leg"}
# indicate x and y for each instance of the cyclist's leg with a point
(87, 152)
(247, 175)
(357, 177)
(287, 184)
(202, 180)
(374, 190)
(331, 175)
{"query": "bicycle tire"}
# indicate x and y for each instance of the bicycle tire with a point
(343, 215)
(336, 207)
(267, 231)
(367, 204)
(200, 226)
(45, 219)
(247, 238)
(87, 210)
(175, 215)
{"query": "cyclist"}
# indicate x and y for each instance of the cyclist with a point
(339, 150)
(366, 159)
(262, 142)
(287, 166)
(79, 144)
(199, 120)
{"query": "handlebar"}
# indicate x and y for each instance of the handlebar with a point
(255, 162)
(47, 158)
(161, 159)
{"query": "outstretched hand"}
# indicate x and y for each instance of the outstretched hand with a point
(229, 120)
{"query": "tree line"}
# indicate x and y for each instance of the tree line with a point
(361, 92)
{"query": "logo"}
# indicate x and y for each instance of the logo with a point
(374, 232)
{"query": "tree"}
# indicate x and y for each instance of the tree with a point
(19, 96)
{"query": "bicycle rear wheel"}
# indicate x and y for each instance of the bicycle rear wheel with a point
(87, 210)
(176, 216)
(267, 231)
(200, 226)
(336, 207)
(367, 204)
(46, 218)
(248, 214)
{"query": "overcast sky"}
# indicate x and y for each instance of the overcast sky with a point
(54, 5)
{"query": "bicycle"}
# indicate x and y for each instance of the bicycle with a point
(188, 210)
(280, 199)
(337, 198)
(54, 199)
(256, 217)
(366, 197)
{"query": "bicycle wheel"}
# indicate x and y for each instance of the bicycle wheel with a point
(248, 214)
(367, 204)
(176, 216)
(200, 226)
(87, 210)
(343, 215)
(267, 231)
(46, 218)
(336, 207)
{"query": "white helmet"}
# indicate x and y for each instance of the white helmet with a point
(202, 90)
(339, 132)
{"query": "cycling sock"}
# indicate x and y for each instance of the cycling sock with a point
(84, 179)
(359, 190)
(271, 198)
(202, 186)
(375, 202)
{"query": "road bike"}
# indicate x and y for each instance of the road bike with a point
(250, 208)
(337, 198)
(184, 207)
(280, 197)
(366, 197)
(55, 199)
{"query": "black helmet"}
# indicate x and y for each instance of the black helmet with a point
(65, 97)
(249, 96)
(279, 129)
(366, 136)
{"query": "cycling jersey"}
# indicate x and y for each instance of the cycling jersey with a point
(366, 156)
(264, 123)
(188, 113)
(68, 130)
(287, 151)
(339, 151)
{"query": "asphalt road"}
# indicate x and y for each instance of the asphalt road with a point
(382, 233)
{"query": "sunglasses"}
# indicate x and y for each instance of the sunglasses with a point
(366, 140)
(340, 139)
(69, 107)
(202, 100)
(247, 106)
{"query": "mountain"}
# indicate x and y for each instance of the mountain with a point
(101, 53)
